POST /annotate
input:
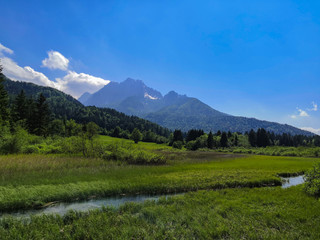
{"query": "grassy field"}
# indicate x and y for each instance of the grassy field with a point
(229, 212)
(29, 181)
(258, 213)
(276, 151)
(141, 145)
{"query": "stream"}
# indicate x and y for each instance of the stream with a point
(61, 208)
(292, 181)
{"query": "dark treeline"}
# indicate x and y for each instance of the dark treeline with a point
(197, 138)
(262, 138)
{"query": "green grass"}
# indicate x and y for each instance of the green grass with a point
(276, 151)
(140, 145)
(260, 213)
(28, 181)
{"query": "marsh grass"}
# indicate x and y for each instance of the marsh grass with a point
(276, 151)
(29, 181)
(259, 213)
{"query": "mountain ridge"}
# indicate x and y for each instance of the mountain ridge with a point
(175, 111)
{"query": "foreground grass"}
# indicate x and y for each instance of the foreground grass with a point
(29, 181)
(264, 213)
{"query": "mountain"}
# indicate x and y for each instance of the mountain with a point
(64, 106)
(175, 111)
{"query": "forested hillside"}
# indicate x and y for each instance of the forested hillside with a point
(63, 106)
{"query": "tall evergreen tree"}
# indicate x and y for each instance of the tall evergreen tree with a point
(177, 136)
(252, 138)
(210, 140)
(20, 107)
(41, 116)
(262, 138)
(193, 134)
(4, 101)
(224, 140)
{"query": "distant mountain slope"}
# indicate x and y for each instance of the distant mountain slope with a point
(64, 106)
(176, 111)
(114, 93)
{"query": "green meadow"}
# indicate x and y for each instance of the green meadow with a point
(230, 195)
(29, 181)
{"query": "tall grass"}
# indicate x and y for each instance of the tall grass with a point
(31, 180)
(265, 213)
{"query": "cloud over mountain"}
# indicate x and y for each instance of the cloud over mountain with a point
(76, 84)
(26, 74)
(313, 130)
(55, 60)
(72, 83)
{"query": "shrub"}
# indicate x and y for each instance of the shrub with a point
(30, 149)
(177, 144)
(14, 143)
(312, 181)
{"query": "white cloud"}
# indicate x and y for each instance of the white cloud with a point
(303, 113)
(73, 83)
(5, 49)
(313, 130)
(314, 107)
(26, 74)
(76, 84)
(293, 116)
(56, 60)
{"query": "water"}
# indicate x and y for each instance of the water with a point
(62, 208)
(292, 181)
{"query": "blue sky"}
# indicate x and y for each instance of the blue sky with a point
(250, 58)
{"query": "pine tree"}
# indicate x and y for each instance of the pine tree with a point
(224, 140)
(20, 108)
(252, 138)
(4, 101)
(42, 116)
(262, 138)
(177, 136)
(210, 140)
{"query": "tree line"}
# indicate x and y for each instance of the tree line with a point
(197, 138)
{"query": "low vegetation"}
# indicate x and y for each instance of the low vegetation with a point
(29, 181)
(264, 213)
(312, 181)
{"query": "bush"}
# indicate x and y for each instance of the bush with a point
(30, 149)
(312, 181)
(15, 142)
(177, 144)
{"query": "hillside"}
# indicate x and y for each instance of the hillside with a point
(176, 111)
(64, 106)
